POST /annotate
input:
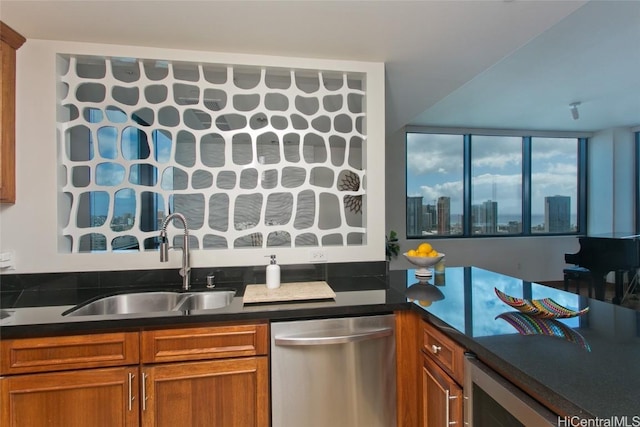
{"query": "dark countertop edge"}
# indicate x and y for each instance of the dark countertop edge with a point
(139, 323)
(531, 386)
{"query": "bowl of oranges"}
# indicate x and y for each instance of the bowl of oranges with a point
(424, 256)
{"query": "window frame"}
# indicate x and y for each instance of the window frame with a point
(637, 181)
(527, 136)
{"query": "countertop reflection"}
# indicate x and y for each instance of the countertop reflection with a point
(603, 381)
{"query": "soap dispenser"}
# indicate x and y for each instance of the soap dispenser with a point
(273, 274)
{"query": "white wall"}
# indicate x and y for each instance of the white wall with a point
(536, 258)
(29, 228)
(624, 180)
(611, 182)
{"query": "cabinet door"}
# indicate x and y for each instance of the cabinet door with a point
(441, 397)
(225, 393)
(10, 41)
(92, 397)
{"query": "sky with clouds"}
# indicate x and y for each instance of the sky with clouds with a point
(435, 168)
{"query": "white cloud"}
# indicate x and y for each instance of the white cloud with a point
(446, 189)
(429, 153)
(569, 169)
(496, 152)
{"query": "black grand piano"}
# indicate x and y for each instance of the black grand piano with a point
(602, 254)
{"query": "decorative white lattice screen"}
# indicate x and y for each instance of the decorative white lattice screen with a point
(252, 156)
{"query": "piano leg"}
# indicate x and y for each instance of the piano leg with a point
(598, 284)
(617, 299)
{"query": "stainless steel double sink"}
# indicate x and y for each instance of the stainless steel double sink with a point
(153, 302)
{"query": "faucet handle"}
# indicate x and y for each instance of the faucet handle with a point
(210, 278)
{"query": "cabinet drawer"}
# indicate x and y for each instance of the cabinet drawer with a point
(444, 351)
(28, 355)
(201, 343)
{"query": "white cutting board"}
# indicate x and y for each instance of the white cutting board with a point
(296, 291)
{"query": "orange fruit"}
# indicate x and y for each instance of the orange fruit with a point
(424, 247)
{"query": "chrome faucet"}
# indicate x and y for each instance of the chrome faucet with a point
(185, 271)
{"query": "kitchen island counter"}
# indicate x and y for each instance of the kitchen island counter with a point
(589, 370)
(585, 366)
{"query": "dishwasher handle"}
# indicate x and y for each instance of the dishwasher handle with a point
(324, 339)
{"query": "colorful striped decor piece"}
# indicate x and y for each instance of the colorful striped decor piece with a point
(526, 324)
(545, 308)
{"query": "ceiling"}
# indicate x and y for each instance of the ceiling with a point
(509, 64)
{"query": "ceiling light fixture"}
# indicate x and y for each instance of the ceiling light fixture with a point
(574, 110)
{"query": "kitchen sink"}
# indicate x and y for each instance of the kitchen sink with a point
(153, 302)
(206, 300)
(140, 302)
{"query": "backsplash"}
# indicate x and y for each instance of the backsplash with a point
(32, 290)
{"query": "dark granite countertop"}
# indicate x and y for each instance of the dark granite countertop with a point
(37, 310)
(593, 371)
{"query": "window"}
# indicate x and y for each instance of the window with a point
(554, 185)
(434, 184)
(494, 185)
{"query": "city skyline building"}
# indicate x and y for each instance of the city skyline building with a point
(425, 219)
(414, 216)
(557, 214)
(488, 220)
(430, 218)
(444, 215)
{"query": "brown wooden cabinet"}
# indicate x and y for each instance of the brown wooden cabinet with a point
(227, 384)
(442, 377)
(10, 41)
(199, 343)
(225, 392)
(80, 398)
(64, 353)
(430, 374)
(409, 361)
(69, 381)
(444, 351)
(441, 397)
(216, 375)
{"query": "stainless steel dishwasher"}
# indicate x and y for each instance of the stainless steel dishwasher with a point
(334, 372)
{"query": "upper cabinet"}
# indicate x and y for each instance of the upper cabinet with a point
(10, 41)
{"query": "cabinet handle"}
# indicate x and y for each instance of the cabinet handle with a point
(338, 338)
(435, 348)
(448, 398)
(131, 396)
(446, 413)
(144, 392)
